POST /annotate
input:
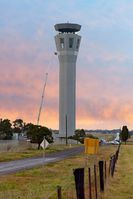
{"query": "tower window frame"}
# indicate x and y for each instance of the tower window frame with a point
(78, 43)
(62, 43)
(71, 42)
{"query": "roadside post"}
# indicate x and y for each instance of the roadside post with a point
(44, 144)
(91, 148)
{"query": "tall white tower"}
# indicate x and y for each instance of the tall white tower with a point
(67, 44)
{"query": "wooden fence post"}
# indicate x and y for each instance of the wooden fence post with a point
(113, 161)
(79, 182)
(58, 192)
(101, 175)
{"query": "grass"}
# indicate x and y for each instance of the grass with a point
(26, 150)
(30, 152)
(106, 136)
(121, 186)
(39, 183)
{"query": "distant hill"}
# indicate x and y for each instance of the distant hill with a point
(114, 131)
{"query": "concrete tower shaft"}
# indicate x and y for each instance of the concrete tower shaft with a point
(67, 44)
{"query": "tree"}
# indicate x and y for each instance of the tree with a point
(124, 135)
(5, 129)
(37, 133)
(79, 135)
(18, 125)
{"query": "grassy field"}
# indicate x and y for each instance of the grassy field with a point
(40, 183)
(25, 150)
(30, 152)
(105, 136)
(121, 186)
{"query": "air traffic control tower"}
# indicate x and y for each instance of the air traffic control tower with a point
(67, 44)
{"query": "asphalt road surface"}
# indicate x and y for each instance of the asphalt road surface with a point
(27, 163)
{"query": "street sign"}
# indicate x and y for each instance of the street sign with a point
(91, 145)
(44, 144)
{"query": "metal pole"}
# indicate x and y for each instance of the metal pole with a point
(89, 172)
(109, 171)
(105, 170)
(95, 179)
(66, 131)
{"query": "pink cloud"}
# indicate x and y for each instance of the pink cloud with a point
(100, 91)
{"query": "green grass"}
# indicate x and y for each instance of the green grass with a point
(40, 182)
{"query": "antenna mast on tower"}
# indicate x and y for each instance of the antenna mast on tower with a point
(43, 92)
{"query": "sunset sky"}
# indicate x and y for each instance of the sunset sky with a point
(104, 66)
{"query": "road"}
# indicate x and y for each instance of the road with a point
(27, 163)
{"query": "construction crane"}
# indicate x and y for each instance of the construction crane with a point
(42, 98)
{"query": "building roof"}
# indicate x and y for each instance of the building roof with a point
(67, 27)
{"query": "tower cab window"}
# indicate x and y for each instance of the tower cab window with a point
(62, 42)
(78, 42)
(71, 40)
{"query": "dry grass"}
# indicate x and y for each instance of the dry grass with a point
(26, 152)
(23, 149)
(39, 183)
(106, 136)
(121, 186)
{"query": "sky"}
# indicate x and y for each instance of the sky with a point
(104, 81)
